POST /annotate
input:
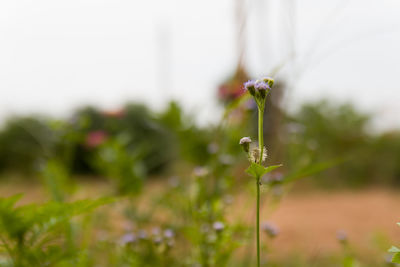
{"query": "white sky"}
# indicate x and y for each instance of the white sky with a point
(57, 55)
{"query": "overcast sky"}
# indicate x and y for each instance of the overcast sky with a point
(57, 55)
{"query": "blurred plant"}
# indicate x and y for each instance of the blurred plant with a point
(124, 166)
(35, 235)
(396, 251)
(259, 90)
(23, 142)
(349, 259)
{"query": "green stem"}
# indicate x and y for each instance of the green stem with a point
(261, 148)
(261, 132)
(258, 221)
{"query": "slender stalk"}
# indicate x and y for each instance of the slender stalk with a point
(261, 148)
(258, 221)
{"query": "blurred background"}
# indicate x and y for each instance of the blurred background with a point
(140, 99)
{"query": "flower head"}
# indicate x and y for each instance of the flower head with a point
(218, 226)
(259, 89)
(261, 85)
(250, 86)
(128, 238)
(270, 229)
(168, 233)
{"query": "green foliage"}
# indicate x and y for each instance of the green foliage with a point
(396, 251)
(325, 131)
(123, 166)
(23, 142)
(35, 235)
(256, 170)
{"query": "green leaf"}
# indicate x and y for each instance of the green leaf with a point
(398, 223)
(396, 258)
(256, 170)
(394, 249)
(271, 168)
(311, 170)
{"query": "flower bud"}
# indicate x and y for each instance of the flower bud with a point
(269, 81)
(245, 143)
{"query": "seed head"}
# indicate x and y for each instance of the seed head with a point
(254, 155)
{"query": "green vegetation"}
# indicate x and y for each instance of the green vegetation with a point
(186, 222)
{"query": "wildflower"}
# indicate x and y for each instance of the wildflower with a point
(127, 238)
(259, 90)
(168, 233)
(270, 229)
(245, 143)
(218, 226)
(341, 235)
(250, 86)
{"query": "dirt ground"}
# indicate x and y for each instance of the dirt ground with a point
(309, 222)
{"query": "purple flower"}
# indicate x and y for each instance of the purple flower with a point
(249, 84)
(270, 229)
(260, 85)
(127, 238)
(218, 226)
(341, 235)
(168, 233)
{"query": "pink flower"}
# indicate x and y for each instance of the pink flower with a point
(95, 138)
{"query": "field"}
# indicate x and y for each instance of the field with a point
(308, 220)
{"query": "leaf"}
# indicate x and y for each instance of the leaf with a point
(272, 167)
(396, 258)
(311, 170)
(398, 223)
(256, 170)
(394, 249)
